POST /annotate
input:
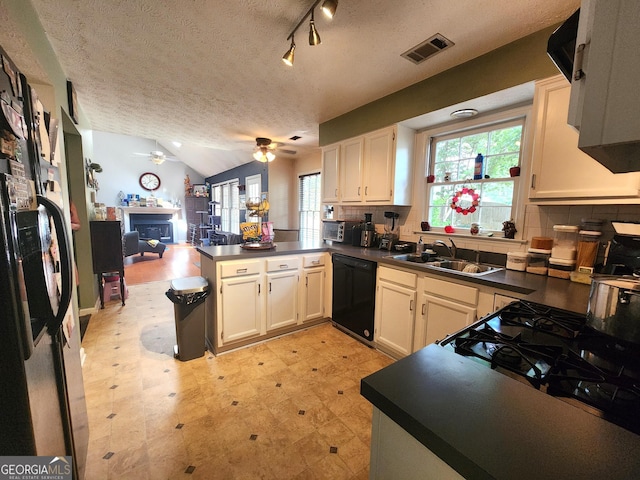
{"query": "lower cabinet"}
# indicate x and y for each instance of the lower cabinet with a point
(395, 311)
(445, 307)
(283, 278)
(240, 312)
(264, 297)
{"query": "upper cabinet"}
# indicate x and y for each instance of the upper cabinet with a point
(560, 171)
(330, 173)
(605, 100)
(374, 169)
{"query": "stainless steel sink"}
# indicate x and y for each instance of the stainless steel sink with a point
(461, 266)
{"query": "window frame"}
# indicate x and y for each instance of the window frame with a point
(230, 214)
(459, 128)
(317, 231)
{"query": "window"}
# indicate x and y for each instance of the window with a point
(454, 197)
(253, 190)
(227, 195)
(309, 201)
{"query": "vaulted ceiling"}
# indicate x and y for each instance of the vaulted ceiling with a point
(208, 73)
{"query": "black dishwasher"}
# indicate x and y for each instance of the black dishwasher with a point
(354, 291)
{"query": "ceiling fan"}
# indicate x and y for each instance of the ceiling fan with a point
(266, 150)
(158, 157)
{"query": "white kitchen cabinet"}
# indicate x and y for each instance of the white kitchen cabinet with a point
(282, 281)
(562, 173)
(388, 154)
(605, 101)
(445, 307)
(282, 299)
(239, 301)
(313, 287)
(374, 169)
(500, 301)
(395, 311)
(331, 173)
(351, 168)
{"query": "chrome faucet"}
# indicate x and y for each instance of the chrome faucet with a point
(451, 250)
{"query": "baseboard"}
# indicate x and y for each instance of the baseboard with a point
(90, 311)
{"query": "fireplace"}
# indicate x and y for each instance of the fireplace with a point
(156, 226)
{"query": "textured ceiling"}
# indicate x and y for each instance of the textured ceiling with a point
(208, 73)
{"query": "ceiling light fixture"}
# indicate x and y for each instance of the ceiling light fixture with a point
(329, 9)
(287, 58)
(464, 113)
(314, 36)
(263, 153)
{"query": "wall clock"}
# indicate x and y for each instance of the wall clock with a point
(149, 181)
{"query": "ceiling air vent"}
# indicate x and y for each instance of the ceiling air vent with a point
(428, 48)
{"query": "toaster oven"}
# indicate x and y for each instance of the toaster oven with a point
(340, 231)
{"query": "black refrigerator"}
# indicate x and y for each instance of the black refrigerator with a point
(42, 402)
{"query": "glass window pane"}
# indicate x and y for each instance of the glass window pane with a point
(471, 145)
(447, 150)
(498, 166)
(505, 140)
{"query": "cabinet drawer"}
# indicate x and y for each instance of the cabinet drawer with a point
(454, 291)
(398, 276)
(278, 264)
(313, 260)
(235, 269)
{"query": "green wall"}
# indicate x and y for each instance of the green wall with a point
(508, 66)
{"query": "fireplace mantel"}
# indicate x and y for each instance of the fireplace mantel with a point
(171, 210)
(126, 211)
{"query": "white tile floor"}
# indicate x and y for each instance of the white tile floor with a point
(289, 408)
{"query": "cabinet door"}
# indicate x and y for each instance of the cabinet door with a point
(239, 312)
(313, 293)
(282, 299)
(439, 318)
(394, 317)
(351, 170)
(378, 170)
(560, 170)
(330, 173)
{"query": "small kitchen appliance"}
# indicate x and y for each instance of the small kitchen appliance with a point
(339, 231)
(368, 235)
(390, 237)
(623, 254)
(558, 353)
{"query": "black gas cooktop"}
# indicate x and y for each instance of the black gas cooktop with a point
(554, 351)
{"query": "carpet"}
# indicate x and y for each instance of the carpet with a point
(84, 323)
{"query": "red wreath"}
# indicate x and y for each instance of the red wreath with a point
(474, 201)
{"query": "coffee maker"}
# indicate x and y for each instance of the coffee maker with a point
(623, 253)
(368, 235)
(390, 237)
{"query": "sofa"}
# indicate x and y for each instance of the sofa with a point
(133, 244)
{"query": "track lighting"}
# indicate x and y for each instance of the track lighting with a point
(314, 36)
(329, 8)
(288, 56)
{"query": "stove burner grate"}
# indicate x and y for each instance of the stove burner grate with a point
(542, 318)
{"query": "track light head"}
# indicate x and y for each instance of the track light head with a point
(287, 58)
(314, 36)
(329, 7)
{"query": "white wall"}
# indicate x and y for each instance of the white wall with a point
(121, 171)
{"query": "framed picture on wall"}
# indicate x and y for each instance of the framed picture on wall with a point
(200, 190)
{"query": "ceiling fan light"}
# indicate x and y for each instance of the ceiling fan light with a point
(157, 160)
(329, 7)
(287, 58)
(314, 36)
(270, 156)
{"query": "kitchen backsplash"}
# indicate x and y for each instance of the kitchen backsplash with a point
(538, 222)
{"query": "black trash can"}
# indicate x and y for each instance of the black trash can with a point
(189, 295)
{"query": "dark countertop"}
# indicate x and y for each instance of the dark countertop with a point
(550, 291)
(487, 425)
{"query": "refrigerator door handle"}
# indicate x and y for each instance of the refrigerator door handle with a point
(64, 247)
